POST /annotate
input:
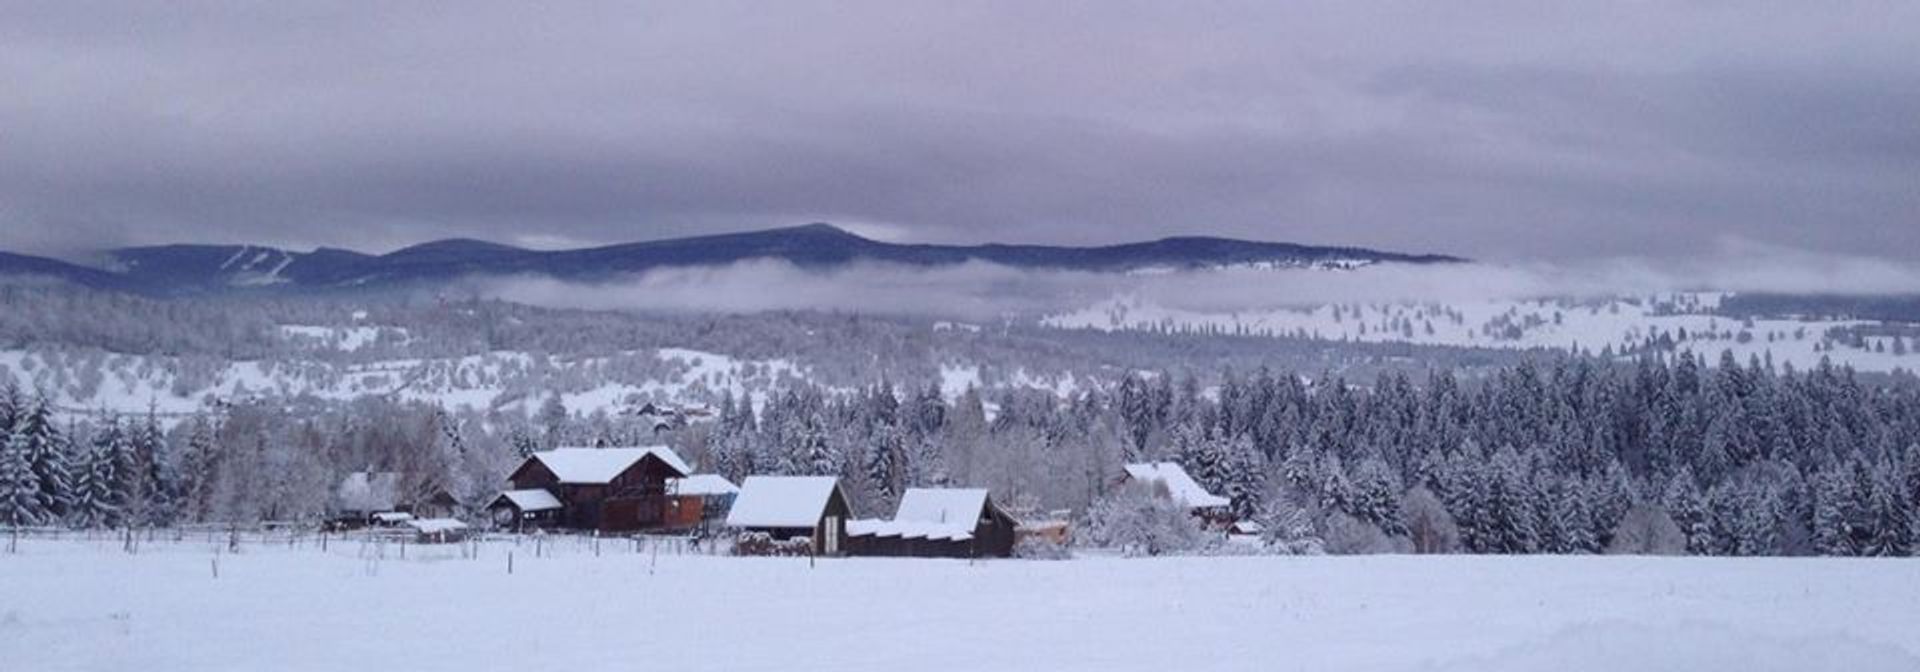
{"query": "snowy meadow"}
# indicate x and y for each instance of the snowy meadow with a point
(85, 604)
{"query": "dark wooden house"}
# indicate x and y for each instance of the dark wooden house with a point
(790, 507)
(605, 489)
(938, 523)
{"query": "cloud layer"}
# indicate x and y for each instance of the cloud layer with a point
(982, 291)
(1498, 129)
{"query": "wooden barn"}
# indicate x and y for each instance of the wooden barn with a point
(938, 523)
(605, 489)
(1210, 508)
(789, 507)
(519, 510)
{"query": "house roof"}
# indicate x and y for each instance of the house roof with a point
(782, 501)
(702, 485)
(602, 465)
(368, 491)
(1183, 488)
(535, 499)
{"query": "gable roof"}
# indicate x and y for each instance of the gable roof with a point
(1183, 488)
(368, 491)
(782, 501)
(601, 465)
(535, 499)
(931, 513)
(702, 485)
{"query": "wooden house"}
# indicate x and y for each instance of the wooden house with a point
(605, 489)
(790, 507)
(938, 523)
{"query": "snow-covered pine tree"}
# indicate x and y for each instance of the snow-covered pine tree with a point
(46, 453)
(92, 489)
(1688, 508)
(156, 496)
(20, 502)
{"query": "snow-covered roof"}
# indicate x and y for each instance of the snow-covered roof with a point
(368, 491)
(601, 465)
(1183, 488)
(393, 517)
(436, 525)
(702, 485)
(930, 513)
(532, 500)
(782, 501)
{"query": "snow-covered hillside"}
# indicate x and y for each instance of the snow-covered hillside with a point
(1685, 321)
(87, 606)
(82, 382)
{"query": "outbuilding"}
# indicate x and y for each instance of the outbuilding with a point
(793, 507)
(1209, 507)
(518, 510)
(938, 523)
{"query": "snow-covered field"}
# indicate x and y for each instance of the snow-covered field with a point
(77, 605)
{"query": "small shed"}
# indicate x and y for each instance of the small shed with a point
(523, 509)
(788, 507)
(437, 530)
(938, 523)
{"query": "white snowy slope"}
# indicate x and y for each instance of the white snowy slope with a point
(1621, 323)
(67, 605)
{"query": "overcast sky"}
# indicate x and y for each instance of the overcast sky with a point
(1502, 130)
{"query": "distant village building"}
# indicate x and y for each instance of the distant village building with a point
(700, 502)
(1212, 508)
(794, 507)
(604, 489)
(938, 523)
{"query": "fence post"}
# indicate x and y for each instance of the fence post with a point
(509, 562)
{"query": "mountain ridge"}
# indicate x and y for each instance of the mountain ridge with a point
(203, 269)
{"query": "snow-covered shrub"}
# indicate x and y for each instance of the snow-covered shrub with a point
(1141, 519)
(1041, 548)
(1648, 530)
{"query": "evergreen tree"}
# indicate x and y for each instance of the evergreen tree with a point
(20, 501)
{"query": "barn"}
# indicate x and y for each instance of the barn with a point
(789, 507)
(604, 489)
(1209, 507)
(938, 523)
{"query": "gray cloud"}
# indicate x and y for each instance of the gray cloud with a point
(1497, 129)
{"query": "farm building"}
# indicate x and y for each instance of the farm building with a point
(605, 489)
(1183, 489)
(518, 510)
(937, 523)
(789, 507)
(700, 502)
